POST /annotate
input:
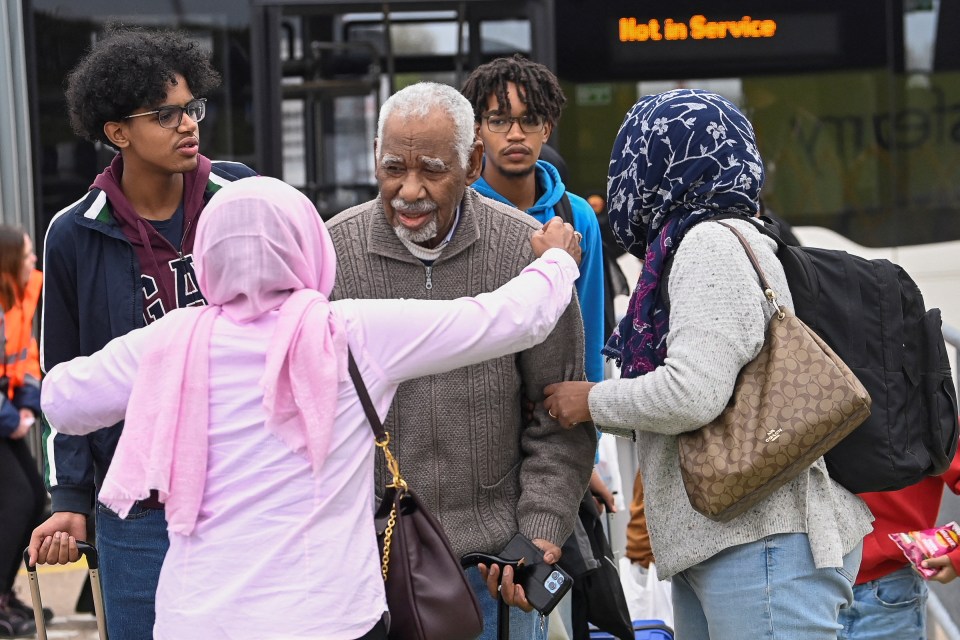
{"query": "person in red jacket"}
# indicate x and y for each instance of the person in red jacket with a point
(890, 597)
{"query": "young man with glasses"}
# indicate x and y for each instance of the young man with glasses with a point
(517, 104)
(118, 259)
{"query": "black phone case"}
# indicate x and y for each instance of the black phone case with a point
(543, 584)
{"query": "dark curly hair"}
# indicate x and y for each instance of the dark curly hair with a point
(536, 84)
(131, 68)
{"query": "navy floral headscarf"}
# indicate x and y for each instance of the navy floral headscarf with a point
(680, 158)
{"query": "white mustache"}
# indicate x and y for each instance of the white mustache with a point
(420, 206)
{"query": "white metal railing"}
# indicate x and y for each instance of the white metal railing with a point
(952, 337)
(940, 626)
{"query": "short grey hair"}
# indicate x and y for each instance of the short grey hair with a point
(423, 97)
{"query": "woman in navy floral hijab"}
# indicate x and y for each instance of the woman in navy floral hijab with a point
(680, 157)
(786, 567)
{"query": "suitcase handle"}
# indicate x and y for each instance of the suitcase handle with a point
(93, 564)
(474, 558)
(85, 549)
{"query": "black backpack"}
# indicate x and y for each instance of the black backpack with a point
(872, 315)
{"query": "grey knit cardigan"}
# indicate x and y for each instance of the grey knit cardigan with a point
(459, 436)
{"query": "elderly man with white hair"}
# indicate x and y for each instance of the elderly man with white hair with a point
(482, 469)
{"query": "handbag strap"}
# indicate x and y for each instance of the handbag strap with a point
(382, 439)
(364, 395)
(380, 435)
(767, 289)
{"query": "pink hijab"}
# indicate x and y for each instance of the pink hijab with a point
(260, 246)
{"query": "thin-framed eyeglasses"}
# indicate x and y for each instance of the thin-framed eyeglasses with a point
(529, 123)
(171, 115)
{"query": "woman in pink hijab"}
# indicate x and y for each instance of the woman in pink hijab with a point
(242, 415)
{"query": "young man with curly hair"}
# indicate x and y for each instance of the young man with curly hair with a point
(517, 104)
(117, 259)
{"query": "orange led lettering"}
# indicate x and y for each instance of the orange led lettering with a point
(674, 30)
(698, 28)
(632, 31)
(746, 27)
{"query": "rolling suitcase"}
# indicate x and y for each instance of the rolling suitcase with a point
(94, 565)
(642, 630)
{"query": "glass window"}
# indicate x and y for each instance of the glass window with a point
(504, 37)
(411, 33)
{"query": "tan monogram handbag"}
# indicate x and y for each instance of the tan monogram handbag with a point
(790, 405)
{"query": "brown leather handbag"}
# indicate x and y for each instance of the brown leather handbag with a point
(790, 405)
(428, 595)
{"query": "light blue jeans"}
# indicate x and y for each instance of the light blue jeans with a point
(523, 626)
(131, 554)
(765, 589)
(894, 606)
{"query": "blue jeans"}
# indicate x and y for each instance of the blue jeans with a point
(523, 626)
(765, 589)
(893, 606)
(131, 554)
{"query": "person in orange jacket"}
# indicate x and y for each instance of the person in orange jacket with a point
(890, 597)
(22, 494)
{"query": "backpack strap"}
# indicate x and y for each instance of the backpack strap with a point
(664, 279)
(766, 226)
(563, 210)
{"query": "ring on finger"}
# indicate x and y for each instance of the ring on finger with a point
(551, 414)
(578, 236)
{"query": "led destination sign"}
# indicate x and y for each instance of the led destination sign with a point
(698, 28)
(602, 40)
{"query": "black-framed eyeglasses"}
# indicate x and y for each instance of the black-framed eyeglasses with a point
(170, 115)
(529, 123)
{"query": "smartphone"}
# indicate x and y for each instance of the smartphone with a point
(544, 584)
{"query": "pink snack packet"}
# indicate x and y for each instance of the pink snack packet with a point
(929, 543)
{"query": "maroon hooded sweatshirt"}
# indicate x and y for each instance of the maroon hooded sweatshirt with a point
(155, 254)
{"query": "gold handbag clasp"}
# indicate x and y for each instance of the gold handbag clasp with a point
(392, 465)
(772, 297)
